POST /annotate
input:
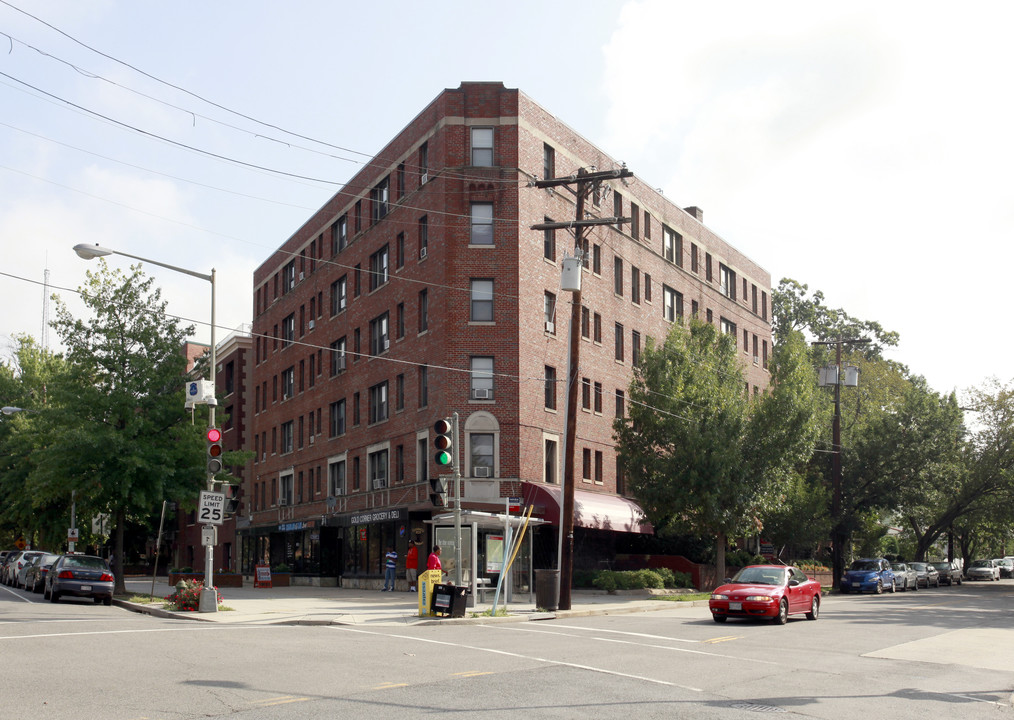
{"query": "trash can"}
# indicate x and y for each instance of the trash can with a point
(449, 600)
(547, 589)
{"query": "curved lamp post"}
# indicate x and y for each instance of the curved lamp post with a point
(209, 597)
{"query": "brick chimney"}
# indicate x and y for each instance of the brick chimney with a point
(696, 212)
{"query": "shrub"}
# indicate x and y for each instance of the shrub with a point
(281, 568)
(742, 558)
(189, 597)
(612, 580)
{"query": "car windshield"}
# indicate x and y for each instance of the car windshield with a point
(865, 565)
(980, 563)
(91, 563)
(942, 566)
(899, 566)
(920, 566)
(760, 576)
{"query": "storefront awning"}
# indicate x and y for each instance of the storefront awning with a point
(596, 511)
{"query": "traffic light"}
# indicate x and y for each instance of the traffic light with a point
(232, 493)
(444, 443)
(214, 437)
(438, 492)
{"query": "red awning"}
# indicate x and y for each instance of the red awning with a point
(596, 511)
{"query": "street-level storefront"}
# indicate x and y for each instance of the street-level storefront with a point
(293, 545)
(367, 535)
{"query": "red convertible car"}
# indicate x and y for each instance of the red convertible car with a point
(766, 591)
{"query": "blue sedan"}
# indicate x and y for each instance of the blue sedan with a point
(869, 575)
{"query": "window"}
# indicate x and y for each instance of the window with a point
(339, 295)
(399, 245)
(548, 162)
(357, 217)
(635, 285)
(647, 225)
(287, 382)
(379, 337)
(727, 281)
(672, 246)
(424, 164)
(336, 478)
(586, 464)
(753, 299)
(379, 268)
(550, 388)
(482, 378)
(728, 327)
(289, 277)
(618, 209)
(598, 466)
(424, 311)
(482, 224)
(482, 301)
(549, 312)
(586, 393)
(286, 437)
(288, 330)
(424, 386)
(618, 341)
(355, 473)
(482, 147)
(480, 447)
(379, 199)
(401, 181)
(378, 402)
(597, 328)
(597, 259)
(356, 285)
(400, 320)
(635, 221)
(549, 459)
(764, 305)
(424, 236)
(764, 356)
(340, 235)
(549, 242)
(707, 267)
(635, 348)
(585, 323)
(337, 356)
(618, 276)
(672, 304)
(619, 403)
(377, 466)
(336, 425)
(693, 259)
(399, 392)
(598, 397)
(285, 489)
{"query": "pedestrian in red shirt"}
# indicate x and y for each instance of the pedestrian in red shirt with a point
(411, 565)
(434, 561)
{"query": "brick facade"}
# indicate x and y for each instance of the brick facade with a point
(432, 158)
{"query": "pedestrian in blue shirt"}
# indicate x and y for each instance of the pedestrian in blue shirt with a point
(391, 564)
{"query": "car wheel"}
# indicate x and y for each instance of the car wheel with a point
(45, 593)
(783, 612)
(880, 587)
(844, 590)
(915, 588)
(894, 586)
(719, 618)
(54, 596)
(937, 583)
(107, 601)
(814, 608)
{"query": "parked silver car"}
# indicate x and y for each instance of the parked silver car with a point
(906, 576)
(983, 570)
(80, 576)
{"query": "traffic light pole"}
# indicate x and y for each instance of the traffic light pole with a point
(209, 596)
(457, 503)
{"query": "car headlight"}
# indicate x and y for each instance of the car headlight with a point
(719, 596)
(759, 598)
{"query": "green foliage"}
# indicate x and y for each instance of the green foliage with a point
(742, 558)
(189, 597)
(613, 580)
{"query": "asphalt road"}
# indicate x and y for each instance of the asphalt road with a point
(945, 652)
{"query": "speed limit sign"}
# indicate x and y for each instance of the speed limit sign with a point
(211, 510)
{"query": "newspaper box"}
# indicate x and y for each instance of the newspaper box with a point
(449, 600)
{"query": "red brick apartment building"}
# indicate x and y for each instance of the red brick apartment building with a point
(420, 290)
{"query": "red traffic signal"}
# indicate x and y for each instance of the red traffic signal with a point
(214, 437)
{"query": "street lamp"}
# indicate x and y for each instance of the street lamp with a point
(209, 597)
(10, 410)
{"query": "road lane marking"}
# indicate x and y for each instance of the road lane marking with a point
(548, 661)
(685, 651)
(389, 686)
(283, 700)
(634, 634)
(471, 673)
(725, 638)
(129, 632)
(19, 596)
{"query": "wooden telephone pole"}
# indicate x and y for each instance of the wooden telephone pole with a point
(585, 182)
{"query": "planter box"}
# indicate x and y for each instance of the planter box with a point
(232, 580)
(280, 579)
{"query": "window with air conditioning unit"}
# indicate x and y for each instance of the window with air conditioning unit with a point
(311, 439)
(482, 394)
(756, 359)
(422, 252)
(550, 326)
(481, 471)
(311, 324)
(282, 502)
(341, 363)
(301, 276)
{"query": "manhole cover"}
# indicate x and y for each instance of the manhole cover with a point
(758, 708)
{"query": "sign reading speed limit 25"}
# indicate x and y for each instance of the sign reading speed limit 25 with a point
(211, 510)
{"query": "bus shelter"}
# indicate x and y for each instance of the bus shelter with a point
(484, 552)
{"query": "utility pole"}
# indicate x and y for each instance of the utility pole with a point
(838, 536)
(584, 181)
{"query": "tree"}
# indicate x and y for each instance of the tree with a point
(698, 454)
(119, 435)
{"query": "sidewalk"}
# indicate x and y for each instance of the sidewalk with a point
(340, 606)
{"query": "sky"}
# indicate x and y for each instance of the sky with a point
(862, 149)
